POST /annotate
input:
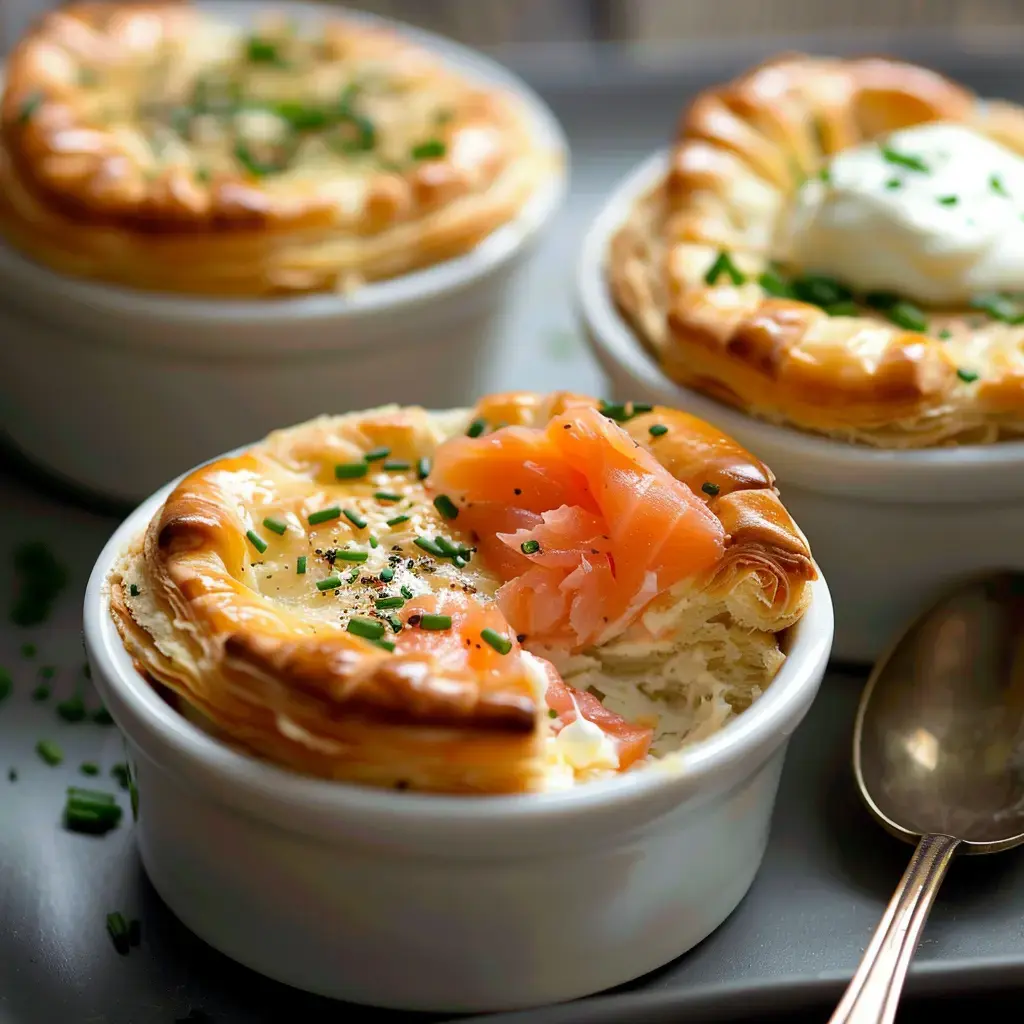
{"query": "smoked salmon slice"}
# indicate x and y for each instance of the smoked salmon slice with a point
(583, 525)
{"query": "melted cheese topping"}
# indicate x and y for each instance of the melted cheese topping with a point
(934, 213)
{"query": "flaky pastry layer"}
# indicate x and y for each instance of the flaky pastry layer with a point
(151, 146)
(742, 151)
(258, 649)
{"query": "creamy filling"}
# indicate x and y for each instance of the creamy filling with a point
(933, 213)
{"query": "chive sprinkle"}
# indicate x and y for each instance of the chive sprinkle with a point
(406, 593)
(353, 575)
(396, 623)
(350, 470)
(435, 622)
(50, 752)
(945, 334)
(387, 575)
(501, 644)
(101, 716)
(996, 184)
(331, 583)
(275, 525)
(324, 515)
(387, 645)
(396, 467)
(387, 496)
(366, 628)
(389, 602)
(448, 549)
(117, 929)
(355, 519)
(908, 316)
(774, 284)
(376, 454)
(657, 430)
(710, 488)
(256, 541)
(724, 265)
(28, 107)
(28, 650)
(73, 709)
(907, 160)
(429, 546)
(47, 671)
(423, 468)
(429, 150)
(948, 200)
(374, 542)
(967, 376)
(89, 768)
(397, 520)
(39, 694)
(133, 590)
(476, 428)
(446, 506)
(353, 556)
(300, 565)
(530, 547)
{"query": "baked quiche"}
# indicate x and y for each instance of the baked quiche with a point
(839, 245)
(537, 592)
(155, 147)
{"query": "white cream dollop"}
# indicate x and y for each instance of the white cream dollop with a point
(932, 213)
(585, 745)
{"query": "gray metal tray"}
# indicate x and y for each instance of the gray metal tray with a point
(787, 949)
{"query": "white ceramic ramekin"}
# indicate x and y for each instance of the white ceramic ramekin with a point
(438, 903)
(116, 390)
(888, 528)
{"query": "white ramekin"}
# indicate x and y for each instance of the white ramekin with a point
(888, 528)
(116, 390)
(438, 903)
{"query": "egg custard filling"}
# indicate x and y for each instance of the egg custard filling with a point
(523, 596)
(157, 147)
(839, 245)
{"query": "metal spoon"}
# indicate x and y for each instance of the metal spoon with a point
(938, 751)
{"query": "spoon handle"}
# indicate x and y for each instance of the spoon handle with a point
(874, 992)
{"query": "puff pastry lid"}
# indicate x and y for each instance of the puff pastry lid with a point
(376, 597)
(706, 268)
(151, 145)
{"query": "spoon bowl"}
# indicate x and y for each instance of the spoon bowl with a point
(938, 754)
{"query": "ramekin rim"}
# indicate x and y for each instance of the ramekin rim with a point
(761, 728)
(618, 338)
(385, 296)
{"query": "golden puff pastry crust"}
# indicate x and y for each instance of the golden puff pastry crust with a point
(696, 269)
(151, 146)
(241, 596)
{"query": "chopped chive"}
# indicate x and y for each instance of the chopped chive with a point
(657, 430)
(387, 496)
(843, 309)
(710, 488)
(501, 644)
(552, 713)
(355, 519)
(894, 183)
(96, 796)
(724, 265)
(948, 200)
(122, 774)
(28, 650)
(423, 468)
(967, 376)
(429, 150)
(396, 467)
(376, 454)
(350, 470)
(300, 565)
(39, 694)
(448, 549)
(397, 520)
(366, 628)
(530, 547)
(945, 334)
(47, 672)
(387, 575)
(387, 645)
(907, 160)
(262, 51)
(29, 106)
(459, 562)
(374, 543)
(446, 506)
(133, 590)
(324, 515)
(995, 182)
(999, 307)
(73, 709)
(819, 290)
(476, 428)
(774, 284)
(50, 752)
(435, 622)
(907, 316)
(429, 546)
(825, 175)
(396, 623)
(101, 716)
(353, 556)
(406, 593)
(117, 929)
(89, 768)
(256, 541)
(275, 525)
(331, 583)
(389, 602)
(639, 407)
(353, 575)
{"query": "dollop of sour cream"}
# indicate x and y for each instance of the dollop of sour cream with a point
(933, 213)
